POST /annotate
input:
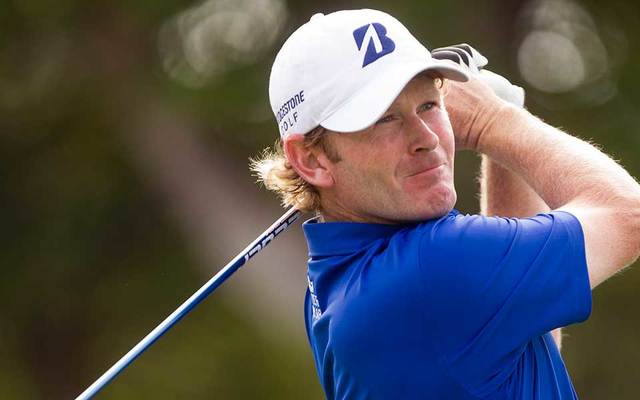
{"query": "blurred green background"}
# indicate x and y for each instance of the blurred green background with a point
(125, 129)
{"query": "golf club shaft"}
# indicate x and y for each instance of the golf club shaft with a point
(252, 249)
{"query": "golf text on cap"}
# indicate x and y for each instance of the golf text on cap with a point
(288, 106)
(378, 43)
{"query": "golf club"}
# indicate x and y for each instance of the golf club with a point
(252, 249)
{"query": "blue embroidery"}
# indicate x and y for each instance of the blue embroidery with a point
(378, 45)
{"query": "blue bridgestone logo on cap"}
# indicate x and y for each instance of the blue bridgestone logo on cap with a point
(378, 43)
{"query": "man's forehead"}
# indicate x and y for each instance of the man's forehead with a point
(423, 85)
(425, 81)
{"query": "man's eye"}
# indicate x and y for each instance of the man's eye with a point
(386, 118)
(428, 105)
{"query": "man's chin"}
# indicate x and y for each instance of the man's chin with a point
(439, 206)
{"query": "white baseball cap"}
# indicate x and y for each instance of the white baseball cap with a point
(343, 70)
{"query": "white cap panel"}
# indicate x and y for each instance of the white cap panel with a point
(336, 63)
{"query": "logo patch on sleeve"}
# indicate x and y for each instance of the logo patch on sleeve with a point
(315, 304)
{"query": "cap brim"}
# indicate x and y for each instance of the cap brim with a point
(367, 105)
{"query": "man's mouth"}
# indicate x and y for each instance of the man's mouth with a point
(426, 170)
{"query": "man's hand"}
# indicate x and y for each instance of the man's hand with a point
(466, 56)
(472, 107)
(468, 126)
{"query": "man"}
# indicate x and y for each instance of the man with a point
(407, 298)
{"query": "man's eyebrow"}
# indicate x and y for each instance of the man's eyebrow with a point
(391, 108)
(430, 95)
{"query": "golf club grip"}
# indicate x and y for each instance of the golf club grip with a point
(252, 249)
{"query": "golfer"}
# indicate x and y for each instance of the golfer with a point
(408, 298)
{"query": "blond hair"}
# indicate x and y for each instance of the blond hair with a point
(273, 169)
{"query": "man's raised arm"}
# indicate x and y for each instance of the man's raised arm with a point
(503, 193)
(567, 173)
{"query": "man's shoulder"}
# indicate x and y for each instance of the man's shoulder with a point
(473, 225)
(474, 238)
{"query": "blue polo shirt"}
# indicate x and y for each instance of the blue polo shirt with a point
(452, 308)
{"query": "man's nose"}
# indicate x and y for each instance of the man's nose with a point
(422, 137)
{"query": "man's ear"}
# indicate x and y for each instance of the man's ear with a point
(311, 164)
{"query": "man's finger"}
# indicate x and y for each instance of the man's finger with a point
(480, 60)
(465, 54)
(457, 55)
(451, 55)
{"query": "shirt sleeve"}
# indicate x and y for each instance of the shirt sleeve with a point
(492, 284)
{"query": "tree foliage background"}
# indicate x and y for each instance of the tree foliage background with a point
(125, 128)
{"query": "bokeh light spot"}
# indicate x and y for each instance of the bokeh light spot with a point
(550, 62)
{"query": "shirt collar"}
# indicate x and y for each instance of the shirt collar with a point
(336, 238)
